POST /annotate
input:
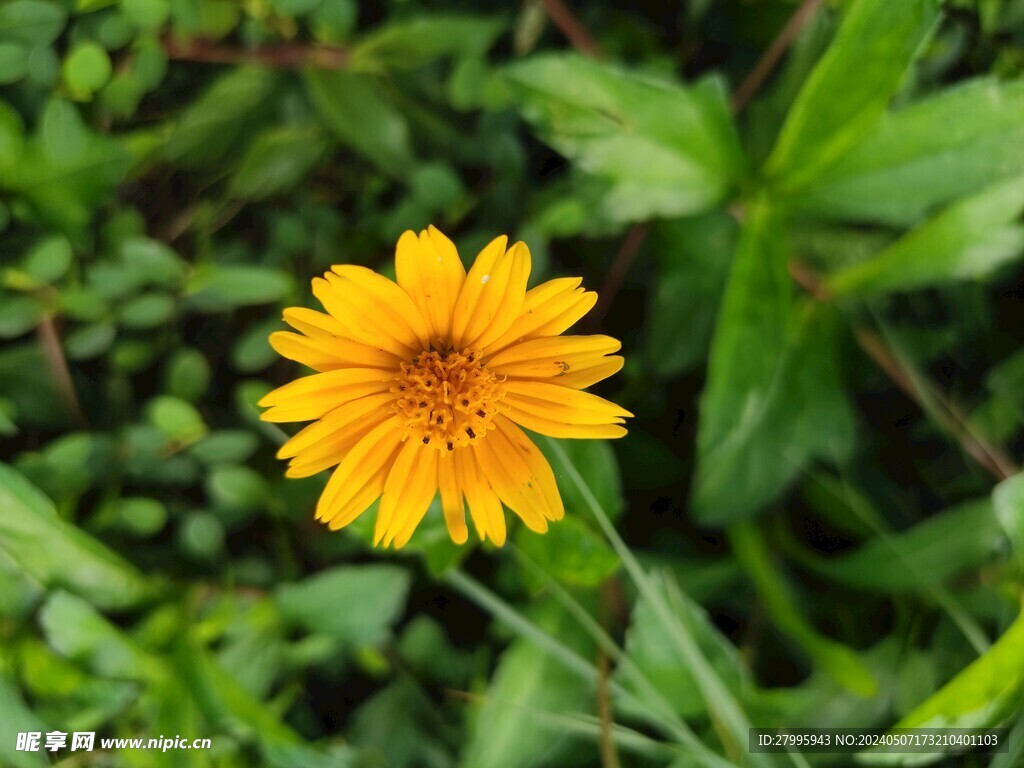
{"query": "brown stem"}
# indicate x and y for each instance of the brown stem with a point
(570, 26)
(771, 58)
(946, 411)
(623, 260)
(49, 340)
(283, 56)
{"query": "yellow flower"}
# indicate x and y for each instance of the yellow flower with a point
(421, 386)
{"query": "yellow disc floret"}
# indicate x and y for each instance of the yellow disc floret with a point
(447, 401)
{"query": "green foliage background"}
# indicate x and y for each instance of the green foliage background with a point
(815, 520)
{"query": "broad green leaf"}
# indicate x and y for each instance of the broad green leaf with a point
(507, 732)
(31, 22)
(177, 419)
(13, 62)
(969, 239)
(694, 255)
(277, 161)
(75, 630)
(237, 488)
(667, 150)
(15, 718)
(406, 44)
(86, 68)
(218, 288)
(904, 167)
(931, 552)
(773, 380)
(570, 552)
(358, 604)
(48, 259)
(60, 555)
(223, 115)
(651, 648)
(361, 117)
(1008, 500)
(850, 88)
(981, 695)
(148, 310)
(838, 660)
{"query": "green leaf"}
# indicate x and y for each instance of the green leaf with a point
(850, 88)
(225, 446)
(1008, 501)
(13, 62)
(773, 380)
(237, 488)
(651, 648)
(969, 239)
(148, 310)
(905, 167)
(31, 22)
(358, 604)
(176, 418)
(933, 551)
(361, 117)
(48, 259)
(187, 375)
(278, 160)
(18, 315)
(666, 149)
(216, 122)
(75, 630)
(219, 288)
(407, 44)
(15, 718)
(982, 694)
(509, 730)
(152, 262)
(60, 555)
(838, 660)
(694, 258)
(570, 552)
(86, 69)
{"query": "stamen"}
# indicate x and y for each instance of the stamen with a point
(447, 399)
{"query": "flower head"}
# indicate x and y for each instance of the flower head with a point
(422, 386)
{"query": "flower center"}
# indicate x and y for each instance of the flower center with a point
(447, 400)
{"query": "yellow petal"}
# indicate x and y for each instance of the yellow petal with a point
(509, 474)
(589, 374)
(410, 487)
(477, 279)
(451, 498)
(312, 396)
(545, 426)
(540, 470)
(328, 353)
(360, 501)
(387, 299)
(562, 404)
(501, 299)
(332, 448)
(376, 450)
(361, 318)
(314, 324)
(429, 270)
(337, 419)
(484, 504)
(548, 310)
(551, 357)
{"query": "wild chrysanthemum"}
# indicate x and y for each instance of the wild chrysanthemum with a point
(421, 386)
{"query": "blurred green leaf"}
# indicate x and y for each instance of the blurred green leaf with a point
(361, 117)
(48, 259)
(59, 554)
(694, 258)
(148, 310)
(358, 604)
(15, 718)
(668, 150)
(570, 552)
(89, 341)
(225, 446)
(221, 117)
(176, 418)
(840, 661)
(969, 239)
(509, 730)
(86, 69)
(1008, 502)
(850, 88)
(418, 41)
(238, 488)
(277, 160)
(187, 375)
(773, 379)
(152, 262)
(18, 315)
(931, 552)
(32, 22)
(217, 288)
(981, 695)
(74, 628)
(13, 62)
(904, 166)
